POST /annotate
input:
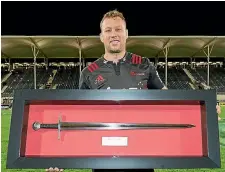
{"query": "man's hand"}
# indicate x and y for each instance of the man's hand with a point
(54, 169)
(218, 109)
(164, 88)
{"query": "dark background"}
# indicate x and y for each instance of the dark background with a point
(83, 18)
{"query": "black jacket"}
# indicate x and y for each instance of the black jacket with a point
(131, 72)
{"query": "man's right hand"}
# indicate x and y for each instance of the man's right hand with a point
(54, 169)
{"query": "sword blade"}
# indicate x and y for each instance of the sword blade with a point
(107, 126)
(118, 126)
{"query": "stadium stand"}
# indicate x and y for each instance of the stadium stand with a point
(216, 79)
(177, 79)
(66, 78)
(23, 78)
(61, 70)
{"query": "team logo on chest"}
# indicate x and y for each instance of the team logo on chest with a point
(133, 73)
(99, 80)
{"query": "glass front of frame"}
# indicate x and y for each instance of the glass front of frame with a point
(174, 142)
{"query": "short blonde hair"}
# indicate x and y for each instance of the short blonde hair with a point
(112, 14)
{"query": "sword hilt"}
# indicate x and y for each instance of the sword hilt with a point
(38, 125)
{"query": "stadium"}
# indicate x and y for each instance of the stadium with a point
(55, 62)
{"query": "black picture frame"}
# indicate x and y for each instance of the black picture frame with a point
(22, 98)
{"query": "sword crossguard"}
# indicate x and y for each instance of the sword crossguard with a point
(59, 126)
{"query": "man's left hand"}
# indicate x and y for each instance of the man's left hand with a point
(218, 110)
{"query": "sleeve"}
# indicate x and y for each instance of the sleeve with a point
(154, 81)
(83, 84)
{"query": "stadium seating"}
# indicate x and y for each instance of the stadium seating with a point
(176, 78)
(216, 76)
(67, 77)
(23, 78)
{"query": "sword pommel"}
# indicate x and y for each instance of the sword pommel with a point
(36, 126)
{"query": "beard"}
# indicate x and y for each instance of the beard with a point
(114, 50)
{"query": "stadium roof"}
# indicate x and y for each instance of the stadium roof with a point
(91, 46)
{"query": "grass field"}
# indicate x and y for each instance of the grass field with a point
(6, 116)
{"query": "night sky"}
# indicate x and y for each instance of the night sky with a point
(83, 18)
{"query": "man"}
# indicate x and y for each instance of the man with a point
(117, 68)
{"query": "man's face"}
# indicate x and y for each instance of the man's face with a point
(114, 34)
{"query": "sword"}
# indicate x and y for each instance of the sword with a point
(105, 126)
